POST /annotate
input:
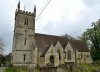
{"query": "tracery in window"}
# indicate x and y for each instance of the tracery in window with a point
(59, 54)
(69, 55)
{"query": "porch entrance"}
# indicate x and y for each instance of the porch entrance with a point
(52, 60)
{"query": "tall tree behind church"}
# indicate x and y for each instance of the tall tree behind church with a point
(93, 35)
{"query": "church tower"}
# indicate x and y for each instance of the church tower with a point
(24, 35)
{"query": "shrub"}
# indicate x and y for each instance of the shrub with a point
(97, 62)
(37, 69)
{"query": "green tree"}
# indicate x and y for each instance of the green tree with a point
(2, 59)
(2, 45)
(93, 35)
(8, 58)
(83, 38)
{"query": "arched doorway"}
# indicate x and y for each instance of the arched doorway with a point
(52, 60)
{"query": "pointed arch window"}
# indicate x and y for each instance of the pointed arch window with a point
(69, 55)
(26, 21)
(59, 54)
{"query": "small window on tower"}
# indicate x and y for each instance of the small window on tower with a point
(26, 21)
(25, 41)
(24, 57)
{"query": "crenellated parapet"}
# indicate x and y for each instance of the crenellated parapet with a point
(25, 12)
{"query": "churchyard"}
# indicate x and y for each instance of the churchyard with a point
(80, 68)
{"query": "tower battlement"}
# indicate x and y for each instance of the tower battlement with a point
(25, 12)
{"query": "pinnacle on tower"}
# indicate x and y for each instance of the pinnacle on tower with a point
(35, 9)
(18, 6)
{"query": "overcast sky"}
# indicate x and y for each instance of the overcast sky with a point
(60, 17)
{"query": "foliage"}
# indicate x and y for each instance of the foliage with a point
(16, 69)
(37, 69)
(82, 68)
(97, 62)
(8, 58)
(62, 66)
(93, 35)
(88, 68)
(10, 69)
(65, 67)
(1, 44)
(2, 59)
(23, 69)
(5, 59)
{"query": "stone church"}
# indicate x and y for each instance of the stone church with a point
(30, 48)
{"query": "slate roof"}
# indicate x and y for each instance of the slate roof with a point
(79, 45)
(45, 51)
(43, 42)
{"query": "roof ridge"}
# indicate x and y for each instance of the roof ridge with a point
(50, 35)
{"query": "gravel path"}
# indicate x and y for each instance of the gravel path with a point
(2, 69)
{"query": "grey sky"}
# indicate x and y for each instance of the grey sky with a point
(60, 17)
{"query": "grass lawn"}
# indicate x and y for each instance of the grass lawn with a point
(88, 68)
(10, 69)
(80, 68)
(83, 68)
(37, 69)
(21, 69)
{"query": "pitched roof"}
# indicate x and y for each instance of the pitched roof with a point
(79, 45)
(45, 51)
(43, 42)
